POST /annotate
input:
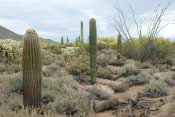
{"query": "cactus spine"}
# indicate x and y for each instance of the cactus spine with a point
(93, 49)
(62, 40)
(32, 70)
(119, 46)
(81, 34)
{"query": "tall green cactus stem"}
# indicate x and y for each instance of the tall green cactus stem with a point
(119, 43)
(62, 40)
(67, 39)
(93, 49)
(81, 33)
(32, 70)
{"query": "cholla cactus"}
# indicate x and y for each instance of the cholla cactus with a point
(32, 70)
(70, 52)
(9, 50)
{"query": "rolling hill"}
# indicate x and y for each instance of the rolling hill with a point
(8, 34)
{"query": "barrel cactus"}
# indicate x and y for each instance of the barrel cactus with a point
(32, 70)
(119, 46)
(93, 49)
(81, 34)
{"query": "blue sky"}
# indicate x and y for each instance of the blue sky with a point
(55, 18)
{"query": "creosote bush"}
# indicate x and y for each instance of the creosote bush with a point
(104, 73)
(129, 69)
(97, 93)
(156, 89)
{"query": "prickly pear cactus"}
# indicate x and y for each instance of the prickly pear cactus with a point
(32, 70)
(93, 49)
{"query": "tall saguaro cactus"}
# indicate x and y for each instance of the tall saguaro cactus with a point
(119, 46)
(81, 34)
(62, 40)
(93, 49)
(32, 69)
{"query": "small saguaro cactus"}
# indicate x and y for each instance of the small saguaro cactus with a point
(119, 46)
(93, 49)
(81, 34)
(67, 39)
(62, 40)
(32, 70)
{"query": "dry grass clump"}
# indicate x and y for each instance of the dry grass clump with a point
(171, 110)
(78, 66)
(83, 79)
(116, 62)
(119, 87)
(155, 89)
(170, 81)
(140, 79)
(97, 93)
(3, 67)
(104, 73)
(145, 65)
(50, 70)
(100, 106)
(102, 60)
(129, 69)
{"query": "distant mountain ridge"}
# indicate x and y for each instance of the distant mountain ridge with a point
(8, 34)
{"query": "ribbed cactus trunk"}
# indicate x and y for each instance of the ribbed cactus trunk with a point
(81, 34)
(32, 70)
(62, 40)
(93, 49)
(119, 46)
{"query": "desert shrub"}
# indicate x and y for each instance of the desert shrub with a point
(155, 89)
(3, 67)
(104, 73)
(73, 103)
(50, 70)
(48, 57)
(108, 42)
(16, 82)
(144, 65)
(9, 50)
(129, 69)
(56, 48)
(78, 66)
(70, 52)
(97, 93)
(102, 60)
(84, 79)
(169, 81)
(101, 45)
(116, 62)
(15, 104)
(140, 79)
(157, 50)
(109, 53)
(60, 85)
(13, 68)
(171, 110)
(46, 98)
(119, 87)
(106, 105)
